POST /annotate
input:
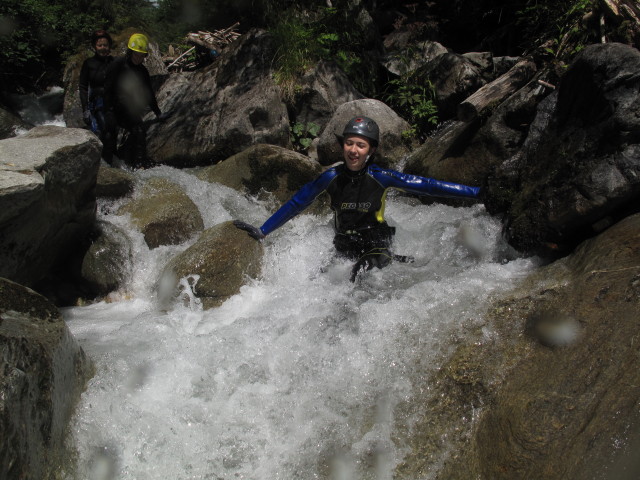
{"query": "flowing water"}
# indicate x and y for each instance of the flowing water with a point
(302, 374)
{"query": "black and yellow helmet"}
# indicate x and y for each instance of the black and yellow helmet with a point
(363, 126)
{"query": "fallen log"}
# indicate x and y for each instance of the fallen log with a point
(492, 94)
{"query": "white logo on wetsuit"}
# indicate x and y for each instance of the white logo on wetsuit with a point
(363, 206)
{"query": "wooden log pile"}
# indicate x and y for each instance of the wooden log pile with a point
(492, 94)
(620, 15)
(203, 43)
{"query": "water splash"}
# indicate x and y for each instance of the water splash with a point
(302, 374)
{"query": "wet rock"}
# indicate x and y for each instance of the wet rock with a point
(47, 199)
(579, 169)
(264, 168)
(163, 213)
(114, 182)
(43, 372)
(213, 268)
(108, 262)
(10, 124)
(553, 411)
(222, 109)
(392, 146)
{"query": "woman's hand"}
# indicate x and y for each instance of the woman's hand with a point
(254, 232)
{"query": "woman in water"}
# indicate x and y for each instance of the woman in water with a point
(358, 190)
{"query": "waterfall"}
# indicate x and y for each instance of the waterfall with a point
(302, 374)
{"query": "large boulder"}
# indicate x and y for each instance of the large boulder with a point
(548, 386)
(214, 268)
(163, 213)
(42, 374)
(264, 168)
(579, 169)
(320, 92)
(47, 199)
(222, 109)
(392, 147)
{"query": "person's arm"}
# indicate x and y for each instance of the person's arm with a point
(83, 85)
(422, 185)
(298, 203)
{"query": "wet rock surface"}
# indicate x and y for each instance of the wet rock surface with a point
(42, 373)
(163, 213)
(515, 405)
(215, 267)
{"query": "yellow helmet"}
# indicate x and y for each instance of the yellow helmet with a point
(138, 43)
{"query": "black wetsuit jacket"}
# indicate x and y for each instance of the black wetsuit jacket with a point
(128, 90)
(358, 198)
(92, 78)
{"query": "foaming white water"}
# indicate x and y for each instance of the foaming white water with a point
(300, 375)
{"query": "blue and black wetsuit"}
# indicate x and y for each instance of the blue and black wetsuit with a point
(358, 201)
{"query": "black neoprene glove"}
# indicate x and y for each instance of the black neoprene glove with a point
(254, 232)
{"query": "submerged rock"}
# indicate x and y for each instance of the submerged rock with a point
(163, 213)
(213, 269)
(114, 182)
(42, 373)
(108, 262)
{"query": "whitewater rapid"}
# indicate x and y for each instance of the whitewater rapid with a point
(301, 375)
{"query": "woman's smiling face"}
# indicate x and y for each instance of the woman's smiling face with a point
(356, 150)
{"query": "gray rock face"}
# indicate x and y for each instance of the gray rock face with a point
(42, 373)
(221, 259)
(163, 213)
(579, 169)
(223, 109)
(322, 90)
(47, 198)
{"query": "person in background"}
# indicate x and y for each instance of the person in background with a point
(91, 83)
(358, 190)
(128, 97)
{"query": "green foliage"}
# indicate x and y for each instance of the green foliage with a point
(301, 42)
(36, 36)
(302, 134)
(557, 25)
(414, 101)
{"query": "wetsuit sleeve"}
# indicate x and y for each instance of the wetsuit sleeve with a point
(423, 186)
(83, 85)
(300, 201)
